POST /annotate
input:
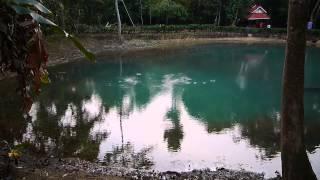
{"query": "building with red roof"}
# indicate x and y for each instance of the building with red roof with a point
(258, 16)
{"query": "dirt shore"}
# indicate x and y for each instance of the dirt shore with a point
(62, 51)
(74, 168)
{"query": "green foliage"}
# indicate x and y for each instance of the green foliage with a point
(237, 9)
(27, 7)
(169, 9)
(22, 47)
(203, 28)
(70, 14)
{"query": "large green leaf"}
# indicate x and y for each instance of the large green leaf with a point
(42, 20)
(33, 3)
(76, 42)
(84, 51)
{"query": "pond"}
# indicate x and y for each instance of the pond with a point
(206, 106)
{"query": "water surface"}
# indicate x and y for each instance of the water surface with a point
(208, 106)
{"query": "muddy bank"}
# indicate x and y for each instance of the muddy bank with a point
(62, 51)
(74, 168)
(104, 45)
(30, 164)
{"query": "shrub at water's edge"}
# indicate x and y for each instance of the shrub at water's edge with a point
(191, 28)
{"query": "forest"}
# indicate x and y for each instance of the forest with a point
(72, 14)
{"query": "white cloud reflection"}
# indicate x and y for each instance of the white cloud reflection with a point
(92, 107)
(69, 118)
(199, 149)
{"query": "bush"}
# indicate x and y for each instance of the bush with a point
(160, 28)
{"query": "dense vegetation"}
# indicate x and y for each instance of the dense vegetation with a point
(22, 46)
(72, 14)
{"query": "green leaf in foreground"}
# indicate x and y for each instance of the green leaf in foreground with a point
(33, 3)
(42, 20)
(77, 43)
(84, 51)
(37, 17)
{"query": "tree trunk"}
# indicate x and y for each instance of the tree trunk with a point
(167, 19)
(235, 18)
(295, 162)
(119, 20)
(219, 15)
(314, 10)
(125, 7)
(150, 16)
(141, 14)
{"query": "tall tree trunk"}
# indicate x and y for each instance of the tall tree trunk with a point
(167, 19)
(125, 7)
(216, 20)
(150, 16)
(314, 10)
(235, 18)
(295, 162)
(317, 14)
(141, 13)
(119, 20)
(219, 15)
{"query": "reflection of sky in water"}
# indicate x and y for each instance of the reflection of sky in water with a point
(221, 110)
(144, 128)
(69, 118)
(91, 107)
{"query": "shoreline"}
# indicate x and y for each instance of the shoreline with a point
(74, 168)
(104, 47)
(62, 51)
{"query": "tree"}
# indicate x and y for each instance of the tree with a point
(237, 9)
(295, 162)
(315, 10)
(150, 6)
(116, 2)
(141, 11)
(23, 50)
(169, 9)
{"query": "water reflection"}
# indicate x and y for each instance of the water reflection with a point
(213, 106)
(127, 157)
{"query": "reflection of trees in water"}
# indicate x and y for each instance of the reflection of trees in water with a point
(45, 129)
(61, 125)
(222, 105)
(219, 106)
(66, 140)
(12, 123)
(174, 135)
(125, 156)
(66, 132)
(263, 132)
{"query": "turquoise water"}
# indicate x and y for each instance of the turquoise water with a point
(206, 106)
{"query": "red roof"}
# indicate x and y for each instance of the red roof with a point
(256, 16)
(257, 12)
